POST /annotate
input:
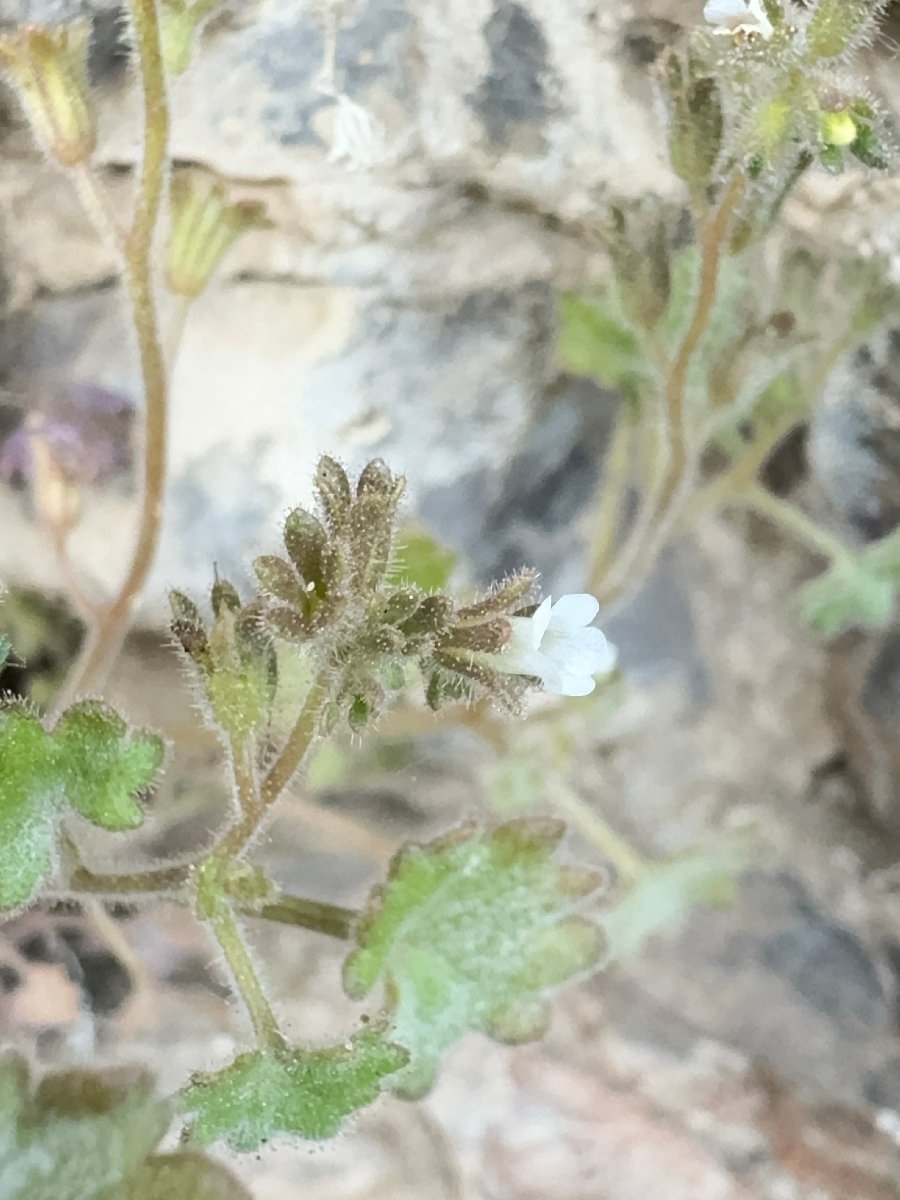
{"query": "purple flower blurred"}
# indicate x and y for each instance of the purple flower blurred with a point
(86, 429)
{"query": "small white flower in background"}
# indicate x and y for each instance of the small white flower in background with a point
(558, 644)
(738, 16)
(358, 138)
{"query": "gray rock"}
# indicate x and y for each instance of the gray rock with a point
(778, 978)
(854, 442)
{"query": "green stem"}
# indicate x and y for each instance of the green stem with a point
(107, 634)
(316, 915)
(796, 523)
(654, 522)
(733, 482)
(166, 879)
(624, 857)
(300, 740)
(221, 921)
(256, 803)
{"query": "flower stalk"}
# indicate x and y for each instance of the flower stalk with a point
(654, 521)
(107, 634)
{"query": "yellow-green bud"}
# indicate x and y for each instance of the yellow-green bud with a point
(205, 225)
(838, 128)
(48, 68)
(179, 21)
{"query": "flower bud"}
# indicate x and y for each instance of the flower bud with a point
(371, 539)
(836, 26)
(57, 496)
(205, 225)
(400, 605)
(838, 128)
(333, 489)
(696, 124)
(641, 255)
(179, 22)
(487, 638)
(280, 580)
(224, 597)
(189, 630)
(431, 617)
(305, 541)
(48, 68)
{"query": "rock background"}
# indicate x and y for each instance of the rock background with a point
(409, 311)
(371, 320)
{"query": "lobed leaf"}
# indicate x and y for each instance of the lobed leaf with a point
(467, 933)
(265, 1094)
(91, 763)
(85, 1135)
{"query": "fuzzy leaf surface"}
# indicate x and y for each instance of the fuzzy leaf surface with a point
(84, 1135)
(266, 1094)
(468, 933)
(91, 763)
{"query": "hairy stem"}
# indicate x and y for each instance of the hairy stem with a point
(164, 879)
(655, 519)
(221, 921)
(256, 802)
(107, 634)
(301, 739)
(316, 915)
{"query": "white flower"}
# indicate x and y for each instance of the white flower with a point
(738, 16)
(559, 645)
(358, 137)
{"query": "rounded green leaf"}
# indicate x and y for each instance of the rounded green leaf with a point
(91, 763)
(103, 765)
(468, 932)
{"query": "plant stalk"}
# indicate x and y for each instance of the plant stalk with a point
(224, 926)
(316, 915)
(795, 522)
(654, 521)
(106, 635)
